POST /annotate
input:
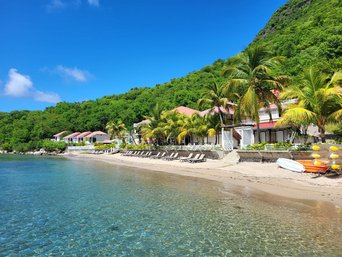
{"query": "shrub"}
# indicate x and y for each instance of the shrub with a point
(282, 145)
(51, 146)
(6, 147)
(138, 147)
(100, 146)
(259, 146)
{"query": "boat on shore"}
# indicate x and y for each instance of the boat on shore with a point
(310, 167)
(290, 165)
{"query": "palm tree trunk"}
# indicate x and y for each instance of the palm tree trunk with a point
(322, 134)
(258, 132)
(221, 115)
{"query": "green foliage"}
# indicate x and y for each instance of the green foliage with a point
(308, 32)
(105, 146)
(282, 145)
(6, 147)
(138, 147)
(259, 146)
(51, 146)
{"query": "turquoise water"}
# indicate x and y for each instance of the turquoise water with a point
(57, 207)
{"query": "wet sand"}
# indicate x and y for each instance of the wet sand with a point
(262, 177)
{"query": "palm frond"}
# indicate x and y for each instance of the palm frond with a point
(296, 116)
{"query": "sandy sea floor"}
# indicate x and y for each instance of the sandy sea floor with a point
(259, 177)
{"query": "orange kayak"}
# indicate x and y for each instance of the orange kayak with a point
(310, 167)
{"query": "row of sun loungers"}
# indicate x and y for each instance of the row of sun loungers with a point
(163, 156)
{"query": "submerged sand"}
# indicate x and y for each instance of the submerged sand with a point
(263, 177)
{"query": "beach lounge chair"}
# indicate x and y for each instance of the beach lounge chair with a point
(127, 153)
(132, 153)
(196, 157)
(184, 159)
(155, 156)
(174, 157)
(171, 155)
(148, 154)
(160, 156)
(137, 154)
(199, 159)
(143, 154)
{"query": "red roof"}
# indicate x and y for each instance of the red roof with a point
(96, 133)
(216, 110)
(185, 110)
(83, 134)
(265, 125)
(143, 122)
(72, 135)
(60, 133)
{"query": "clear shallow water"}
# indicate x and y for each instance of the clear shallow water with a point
(77, 208)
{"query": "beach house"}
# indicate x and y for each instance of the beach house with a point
(71, 138)
(82, 137)
(97, 136)
(59, 136)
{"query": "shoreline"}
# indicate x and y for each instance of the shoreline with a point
(262, 177)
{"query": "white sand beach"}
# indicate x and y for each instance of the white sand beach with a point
(264, 177)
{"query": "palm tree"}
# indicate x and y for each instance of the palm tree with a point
(172, 125)
(251, 73)
(195, 126)
(319, 100)
(203, 128)
(214, 125)
(115, 129)
(153, 129)
(217, 97)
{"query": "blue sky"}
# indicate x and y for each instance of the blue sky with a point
(75, 50)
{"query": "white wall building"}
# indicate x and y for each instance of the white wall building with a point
(97, 136)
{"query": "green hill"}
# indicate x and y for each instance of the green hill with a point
(308, 32)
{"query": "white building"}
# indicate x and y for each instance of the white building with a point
(97, 136)
(82, 137)
(72, 138)
(59, 136)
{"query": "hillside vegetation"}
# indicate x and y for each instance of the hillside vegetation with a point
(308, 32)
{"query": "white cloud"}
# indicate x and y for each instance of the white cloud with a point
(62, 4)
(56, 4)
(18, 85)
(48, 97)
(73, 73)
(94, 2)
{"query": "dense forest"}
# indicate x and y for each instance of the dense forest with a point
(307, 32)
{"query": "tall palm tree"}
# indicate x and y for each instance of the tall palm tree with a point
(115, 128)
(195, 126)
(172, 125)
(203, 128)
(319, 100)
(216, 97)
(214, 125)
(153, 128)
(251, 73)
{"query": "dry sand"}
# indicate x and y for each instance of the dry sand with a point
(261, 177)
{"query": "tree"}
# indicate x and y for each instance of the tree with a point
(319, 100)
(171, 125)
(152, 128)
(251, 73)
(115, 129)
(195, 126)
(217, 97)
